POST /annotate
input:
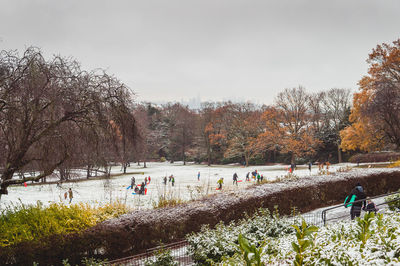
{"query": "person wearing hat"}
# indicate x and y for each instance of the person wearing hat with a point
(371, 207)
(356, 199)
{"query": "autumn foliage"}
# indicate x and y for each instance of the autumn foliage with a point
(375, 115)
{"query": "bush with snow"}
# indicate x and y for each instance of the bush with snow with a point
(210, 245)
(371, 240)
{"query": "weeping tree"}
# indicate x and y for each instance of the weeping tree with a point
(55, 115)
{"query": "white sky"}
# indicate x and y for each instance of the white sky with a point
(169, 50)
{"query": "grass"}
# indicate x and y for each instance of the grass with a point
(20, 223)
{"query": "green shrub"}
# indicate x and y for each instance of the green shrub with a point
(393, 202)
(20, 223)
(303, 241)
(211, 245)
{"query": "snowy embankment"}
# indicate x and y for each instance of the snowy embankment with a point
(187, 186)
(142, 229)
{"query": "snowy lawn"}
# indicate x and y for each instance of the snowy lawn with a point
(186, 184)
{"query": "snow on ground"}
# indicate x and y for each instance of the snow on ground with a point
(186, 184)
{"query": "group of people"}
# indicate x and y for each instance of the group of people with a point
(140, 189)
(69, 194)
(171, 179)
(358, 201)
(254, 175)
(322, 165)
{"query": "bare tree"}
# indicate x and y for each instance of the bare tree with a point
(336, 106)
(182, 129)
(293, 123)
(46, 106)
(246, 125)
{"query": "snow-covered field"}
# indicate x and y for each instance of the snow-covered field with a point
(186, 184)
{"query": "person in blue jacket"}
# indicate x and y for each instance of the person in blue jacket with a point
(356, 199)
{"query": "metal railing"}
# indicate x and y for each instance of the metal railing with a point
(336, 218)
(178, 252)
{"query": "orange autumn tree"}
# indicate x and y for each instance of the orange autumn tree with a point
(375, 115)
(288, 124)
(216, 130)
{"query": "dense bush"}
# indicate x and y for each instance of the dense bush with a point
(375, 157)
(371, 240)
(21, 223)
(210, 245)
(393, 202)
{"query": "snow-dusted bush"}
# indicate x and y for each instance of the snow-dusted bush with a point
(210, 245)
(367, 241)
(393, 202)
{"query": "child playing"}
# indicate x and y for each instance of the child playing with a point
(371, 207)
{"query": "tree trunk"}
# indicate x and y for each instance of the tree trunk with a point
(144, 164)
(183, 155)
(339, 152)
(208, 156)
(125, 165)
(88, 172)
(292, 159)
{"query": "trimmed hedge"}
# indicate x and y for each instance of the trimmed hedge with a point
(134, 232)
(375, 157)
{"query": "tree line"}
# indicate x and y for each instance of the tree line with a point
(299, 126)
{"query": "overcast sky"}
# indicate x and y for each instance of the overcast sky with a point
(168, 50)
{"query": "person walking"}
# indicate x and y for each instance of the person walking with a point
(309, 166)
(165, 180)
(133, 181)
(248, 176)
(70, 194)
(292, 167)
(356, 199)
(173, 180)
(235, 179)
(220, 182)
(198, 176)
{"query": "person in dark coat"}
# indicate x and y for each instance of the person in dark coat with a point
(142, 187)
(235, 178)
(356, 194)
(133, 181)
(371, 207)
